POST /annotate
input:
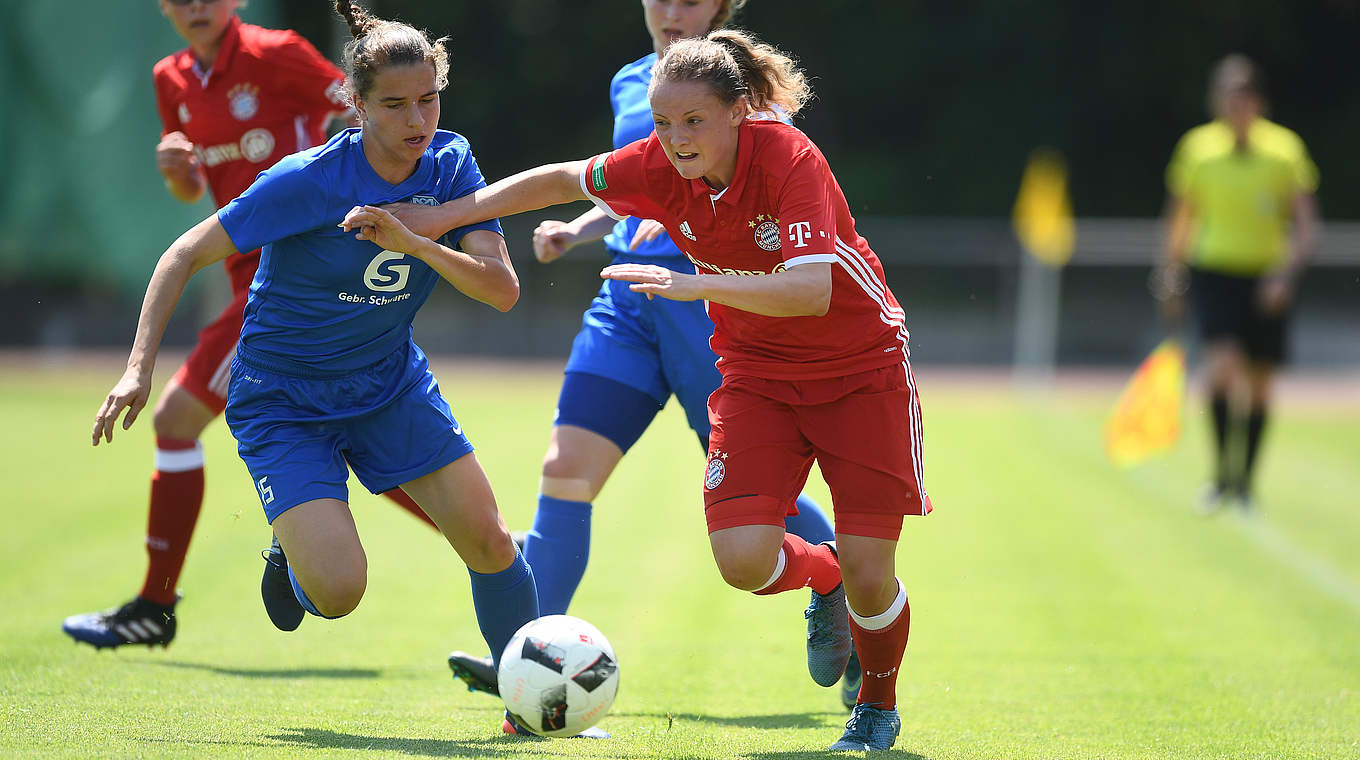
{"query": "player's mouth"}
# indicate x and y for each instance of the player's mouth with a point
(672, 35)
(682, 156)
(417, 142)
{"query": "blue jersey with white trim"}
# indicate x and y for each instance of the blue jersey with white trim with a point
(322, 298)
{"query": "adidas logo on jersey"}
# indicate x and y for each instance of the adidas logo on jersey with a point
(687, 232)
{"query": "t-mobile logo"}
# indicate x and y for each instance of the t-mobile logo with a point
(799, 232)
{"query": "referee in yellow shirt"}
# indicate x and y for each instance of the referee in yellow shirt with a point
(1241, 221)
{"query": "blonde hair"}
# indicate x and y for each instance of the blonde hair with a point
(735, 64)
(377, 43)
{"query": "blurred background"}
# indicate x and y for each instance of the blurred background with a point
(927, 111)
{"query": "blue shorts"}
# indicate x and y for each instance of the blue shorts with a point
(300, 432)
(659, 347)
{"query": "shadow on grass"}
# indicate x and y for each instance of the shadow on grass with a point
(786, 720)
(345, 673)
(499, 746)
(504, 746)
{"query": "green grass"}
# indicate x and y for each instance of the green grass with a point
(1061, 609)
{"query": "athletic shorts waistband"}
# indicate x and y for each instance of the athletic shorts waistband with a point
(283, 366)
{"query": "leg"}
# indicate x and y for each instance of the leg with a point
(325, 557)
(1261, 380)
(597, 420)
(459, 499)
(400, 498)
(176, 488)
(1225, 377)
(575, 468)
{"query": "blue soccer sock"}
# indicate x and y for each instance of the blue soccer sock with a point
(811, 523)
(504, 601)
(558, 548)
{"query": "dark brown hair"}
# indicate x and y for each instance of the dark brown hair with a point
(378, 43)
(734, 64)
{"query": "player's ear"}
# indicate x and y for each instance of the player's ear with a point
(738, 111)
(359, 109)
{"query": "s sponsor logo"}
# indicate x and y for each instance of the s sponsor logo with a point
(767, 236)
(687, 232)
(425, 200)
(257, 144)
(389, 278)
(597, 176)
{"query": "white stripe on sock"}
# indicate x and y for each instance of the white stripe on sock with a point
(778, 571)
(887, 617)
(180, 460)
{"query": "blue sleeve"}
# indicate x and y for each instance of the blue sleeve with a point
(467, 177)
(284, 200)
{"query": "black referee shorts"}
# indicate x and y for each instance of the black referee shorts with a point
(1228, 307)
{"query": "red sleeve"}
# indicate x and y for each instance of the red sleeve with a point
(165, 105)
(617, 181)
(310, 79)
(807, 211)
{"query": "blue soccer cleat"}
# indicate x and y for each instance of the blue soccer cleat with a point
(854, 676)
(828, 634)
(479, 673)
(276, 590)
(140, 621)
(870, 729)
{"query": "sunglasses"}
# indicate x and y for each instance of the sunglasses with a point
(187, 2)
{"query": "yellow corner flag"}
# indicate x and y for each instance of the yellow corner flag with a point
(1042, 217)
(1146, 419)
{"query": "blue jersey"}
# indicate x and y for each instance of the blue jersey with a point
(322, 299)
(633, 122)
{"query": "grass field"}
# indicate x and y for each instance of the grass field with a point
(1061, 609)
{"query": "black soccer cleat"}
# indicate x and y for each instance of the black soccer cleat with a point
(277, 591)
(477, 672)
(140, 621)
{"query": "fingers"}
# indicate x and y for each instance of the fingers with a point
(367, 220)
(648, 230)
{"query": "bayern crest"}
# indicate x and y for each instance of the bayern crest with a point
(713, 476)
(767, 235)
(244, 101)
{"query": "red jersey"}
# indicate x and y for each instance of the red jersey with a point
(783, 208)
(269, 94)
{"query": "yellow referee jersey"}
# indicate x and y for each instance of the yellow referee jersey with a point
(1242, 201)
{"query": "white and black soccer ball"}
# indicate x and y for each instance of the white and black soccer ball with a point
(558, 675)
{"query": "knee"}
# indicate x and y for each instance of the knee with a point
(340, 592)
(868, 583)
(566, 479)
(743, 571)
(488, 548)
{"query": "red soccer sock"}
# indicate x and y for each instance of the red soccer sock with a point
(805, 565)
(407, 503)
(881, 649)
(176, 498)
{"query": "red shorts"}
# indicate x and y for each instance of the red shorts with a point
(207, 371)
(863, 430)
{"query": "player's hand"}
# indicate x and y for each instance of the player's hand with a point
(552, 240)
(1275, 293)
(655, 281)
(427, 221)
(382, 228)
(175, 156)
(648, 230)
(131, 393)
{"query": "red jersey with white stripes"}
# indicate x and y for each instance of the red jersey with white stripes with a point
(269, 93)
(782, 209)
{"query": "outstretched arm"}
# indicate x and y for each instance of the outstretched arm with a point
(802, 291)
(204, 243)
(531, 189)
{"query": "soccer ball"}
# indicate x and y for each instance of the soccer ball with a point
(558, 675)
